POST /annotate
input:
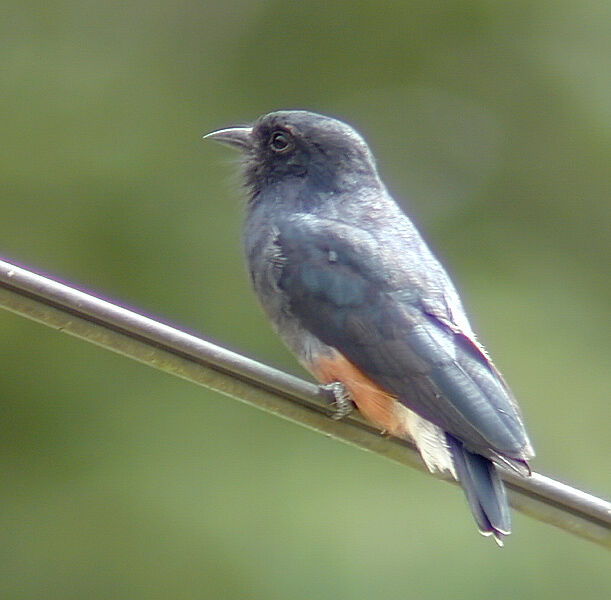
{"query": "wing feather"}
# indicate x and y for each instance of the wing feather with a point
(344, 288)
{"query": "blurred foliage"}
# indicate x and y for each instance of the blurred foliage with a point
(490, 119)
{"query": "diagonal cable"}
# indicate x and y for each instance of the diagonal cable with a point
(168, 349)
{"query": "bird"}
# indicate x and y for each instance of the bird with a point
(354, 291)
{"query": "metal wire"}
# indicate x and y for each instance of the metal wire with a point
(173, 351)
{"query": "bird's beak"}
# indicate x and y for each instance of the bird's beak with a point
(238, 137)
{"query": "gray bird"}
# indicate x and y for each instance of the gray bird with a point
(353, 290)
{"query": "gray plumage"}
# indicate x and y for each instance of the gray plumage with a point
(339, 267)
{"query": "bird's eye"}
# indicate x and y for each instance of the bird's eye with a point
(280, 141)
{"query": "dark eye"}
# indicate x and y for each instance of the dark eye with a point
(280, 141)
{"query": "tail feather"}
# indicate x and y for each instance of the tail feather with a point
(484, 490)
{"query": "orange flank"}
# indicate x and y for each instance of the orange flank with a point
(376, 405)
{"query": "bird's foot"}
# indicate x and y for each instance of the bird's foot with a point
(340, 399)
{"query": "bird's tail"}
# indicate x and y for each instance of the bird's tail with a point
(484, 490)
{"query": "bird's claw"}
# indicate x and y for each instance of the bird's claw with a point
(340, 399)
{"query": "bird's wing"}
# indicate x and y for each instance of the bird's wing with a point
(396, 332)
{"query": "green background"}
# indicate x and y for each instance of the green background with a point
(491, 121)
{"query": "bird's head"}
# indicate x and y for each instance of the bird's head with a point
(299, 145)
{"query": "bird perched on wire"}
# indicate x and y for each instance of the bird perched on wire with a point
(354, 291)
